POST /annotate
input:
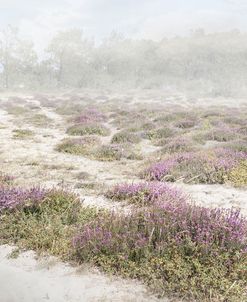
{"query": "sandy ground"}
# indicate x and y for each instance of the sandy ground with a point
(26, 279)
(34, 161)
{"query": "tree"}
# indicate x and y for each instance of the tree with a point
(17, 57)
(69, 56)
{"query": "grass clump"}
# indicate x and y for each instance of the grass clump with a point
(125, 137)
(22, 133)
(82, 146)
(88, 129)
(39, 120)
(176, 248)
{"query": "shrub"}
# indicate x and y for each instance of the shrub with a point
(125, 137)
(222, 134)
(178, 144)
(198, 167)
(145, 193)
(88, 129)
(196, 252)
(114, 152)
(90, 116)
(238, 145)
(185, 124)
(160, 133)
(108, 153)
(41, 220)
(81, 146)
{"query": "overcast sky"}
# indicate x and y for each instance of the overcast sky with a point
(39, 19)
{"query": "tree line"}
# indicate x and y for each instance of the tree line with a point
(214, 64)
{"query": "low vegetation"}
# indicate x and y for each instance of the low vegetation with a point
(88, 129)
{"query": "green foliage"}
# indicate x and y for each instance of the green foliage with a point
(238, 176)
(160, 133)
(88, 129)
(46, 226)
(125, 137)
(22, 133)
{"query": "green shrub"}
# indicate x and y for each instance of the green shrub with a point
(164, 132)
(88, 129)
(125, 137)
(82, 146)
(46, 226)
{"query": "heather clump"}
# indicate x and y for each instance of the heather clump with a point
(114, 152)
(175, 145)
(41, 220)
(221, 134)
(186, 123)
(238, 145)
(88, 129)
(145, 193)
(177, 248)
(125, 137)
(12, 197)
(91, 115)
(197, 167)
(78, 146)
(160, 133)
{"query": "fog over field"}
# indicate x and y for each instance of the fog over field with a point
(194, 47)
(123, 155)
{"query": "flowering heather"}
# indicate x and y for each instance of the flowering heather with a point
(146, 192)
(173, 242)
(204, 167)
(90, 116)
(11, 197)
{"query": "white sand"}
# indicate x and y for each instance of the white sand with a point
(26, 279)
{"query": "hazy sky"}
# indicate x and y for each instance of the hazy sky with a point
(39, 19)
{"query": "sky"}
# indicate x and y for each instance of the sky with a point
(148, 19)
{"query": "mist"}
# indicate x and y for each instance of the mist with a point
(194, 48)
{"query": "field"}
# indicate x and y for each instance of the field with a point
(131, 197)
